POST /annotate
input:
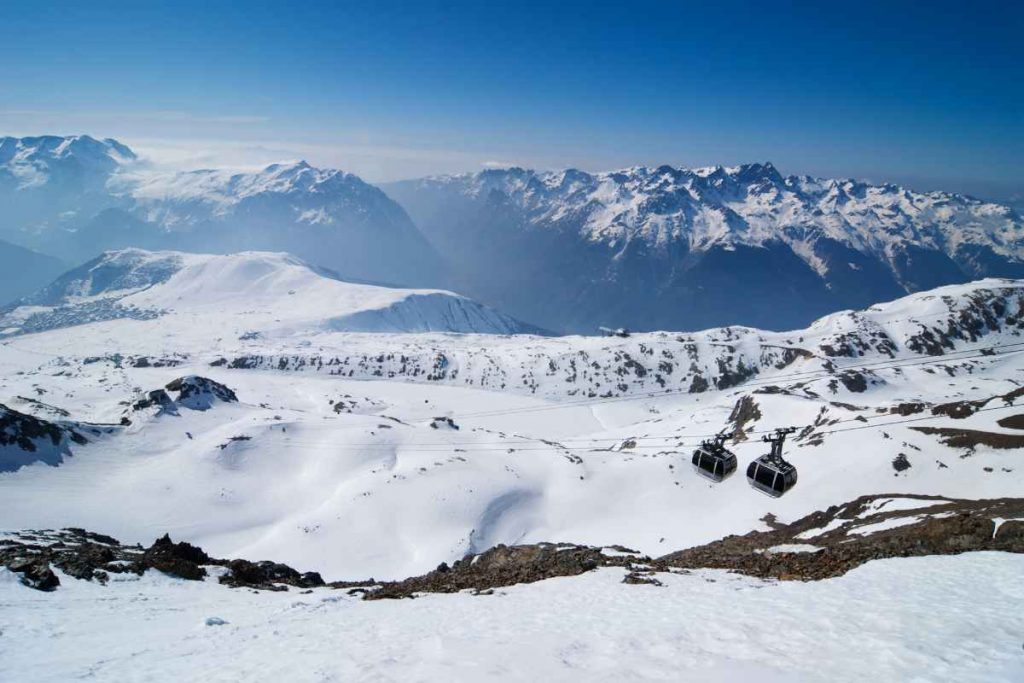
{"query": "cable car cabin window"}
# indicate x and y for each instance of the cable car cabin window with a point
(780, 484)
(765, 476)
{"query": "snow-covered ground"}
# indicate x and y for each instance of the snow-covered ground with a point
(331, 459)
(328, 453)
(249, 294)
(921, 619)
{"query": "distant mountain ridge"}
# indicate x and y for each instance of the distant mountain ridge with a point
(247, 295)
(675, 248)
(76, 196)
(643, 248)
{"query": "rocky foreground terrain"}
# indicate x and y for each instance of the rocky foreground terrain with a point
(822, 545)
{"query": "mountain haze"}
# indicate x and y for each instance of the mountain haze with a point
(76, 196)
(23, 270)
(673, 248)
(643, 248)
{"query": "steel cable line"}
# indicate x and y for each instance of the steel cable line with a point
(469, 447)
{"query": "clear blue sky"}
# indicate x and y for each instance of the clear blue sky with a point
(929, 96)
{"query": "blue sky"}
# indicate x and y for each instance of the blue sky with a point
(931, 97)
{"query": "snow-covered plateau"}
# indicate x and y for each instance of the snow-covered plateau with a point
(265, 409)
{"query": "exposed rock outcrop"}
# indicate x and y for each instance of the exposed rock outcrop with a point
(25, 439)
(830, 543)
(819, 546)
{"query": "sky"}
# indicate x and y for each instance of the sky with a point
(927, 96)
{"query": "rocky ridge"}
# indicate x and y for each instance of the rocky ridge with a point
(821, 545)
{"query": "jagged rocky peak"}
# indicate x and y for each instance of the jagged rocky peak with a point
(224, 188)
(660, 247)
(82, 147)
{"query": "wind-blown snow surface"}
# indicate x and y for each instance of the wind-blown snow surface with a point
(676, 248)
(331, 459)
(251, 294)
(931, 618)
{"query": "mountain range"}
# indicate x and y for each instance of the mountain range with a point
(643, 248)
(673, 248)
(75, 197)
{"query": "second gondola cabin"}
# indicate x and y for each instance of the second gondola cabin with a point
(771, 475)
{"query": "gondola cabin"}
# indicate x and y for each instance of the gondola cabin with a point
(770, 473)
(771, 476)
(713, 460)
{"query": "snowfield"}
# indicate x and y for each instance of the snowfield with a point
(274, 293)
(225, 400)
(331, 458)
(926, 619)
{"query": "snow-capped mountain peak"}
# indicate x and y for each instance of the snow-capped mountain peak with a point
(660, 194)
(75, 196)
(221, 187)
(682, 236)
(34, 161)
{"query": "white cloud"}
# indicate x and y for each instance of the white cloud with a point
(498, 164)
(372, 162)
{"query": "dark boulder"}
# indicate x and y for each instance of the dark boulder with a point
(35, 573)
(87, 561)
(177, 559)
(268, 575)
(157, 398)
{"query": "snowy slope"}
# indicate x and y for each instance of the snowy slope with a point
(927, 618)
(331, 458)
(26, 439)
(251, 294)
(683, 248)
